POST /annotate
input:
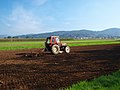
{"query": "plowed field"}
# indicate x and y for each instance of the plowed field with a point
(51, 72)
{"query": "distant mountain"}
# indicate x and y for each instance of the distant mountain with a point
(111, 32)
(3, 36)
(108, 33)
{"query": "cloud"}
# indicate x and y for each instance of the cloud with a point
(22, 21)
(67, 23)
(39, 2)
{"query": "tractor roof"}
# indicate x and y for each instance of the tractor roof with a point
(54, 36)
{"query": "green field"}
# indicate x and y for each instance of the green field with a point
(35, 43)
(108, 82)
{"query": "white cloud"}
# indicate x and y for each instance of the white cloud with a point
(22, 21)
(39, 2)
(67, 23)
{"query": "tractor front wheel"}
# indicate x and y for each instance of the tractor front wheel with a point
(55, 49)
(67, 49)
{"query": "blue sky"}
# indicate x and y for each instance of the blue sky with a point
(39, 16)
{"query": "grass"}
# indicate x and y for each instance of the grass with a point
(16, 45)
(21, 45)
(108, 82)
(93, 42)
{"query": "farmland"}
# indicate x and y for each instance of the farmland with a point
(51, 72)
(39, 43)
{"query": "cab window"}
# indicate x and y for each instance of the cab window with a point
(48, 41)
(57, 40)
(53, 40)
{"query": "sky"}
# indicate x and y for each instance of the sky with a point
(19, 17)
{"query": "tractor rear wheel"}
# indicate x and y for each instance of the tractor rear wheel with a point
(55, 49)
(67, 49)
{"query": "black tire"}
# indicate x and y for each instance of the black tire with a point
(55, 49)
(67, 49)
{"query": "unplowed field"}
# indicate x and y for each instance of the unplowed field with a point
(51, 72)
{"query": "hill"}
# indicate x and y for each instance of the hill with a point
(108, 33)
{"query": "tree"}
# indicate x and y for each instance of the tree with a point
(9, 37)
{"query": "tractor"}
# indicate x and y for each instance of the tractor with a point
(54, 45)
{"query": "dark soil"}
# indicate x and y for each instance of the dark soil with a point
(51, 72)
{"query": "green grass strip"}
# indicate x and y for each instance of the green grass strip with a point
(16, 45)
(108, 82)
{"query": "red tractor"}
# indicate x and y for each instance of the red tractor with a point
(54, 45)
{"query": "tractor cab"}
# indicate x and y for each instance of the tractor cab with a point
(54, 45)
(53, 40)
